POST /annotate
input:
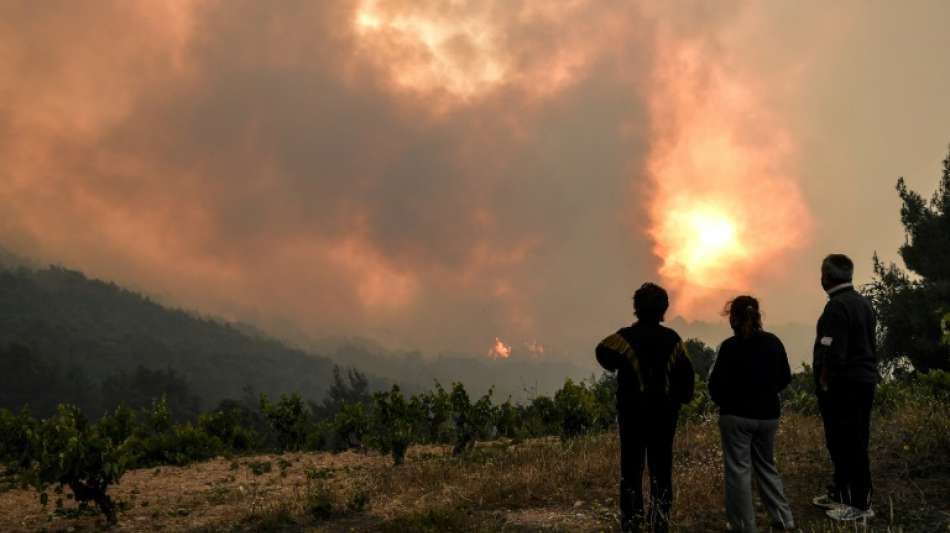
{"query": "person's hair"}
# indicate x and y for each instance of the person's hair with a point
(650, 303)
(744, 315)
(838, 268)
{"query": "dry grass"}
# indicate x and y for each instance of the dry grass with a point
(504, 486)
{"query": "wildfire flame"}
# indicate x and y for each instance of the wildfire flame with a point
(535, 348)
(499, 350)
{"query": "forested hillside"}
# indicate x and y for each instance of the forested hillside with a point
(65, 337)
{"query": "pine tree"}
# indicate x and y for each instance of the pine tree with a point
(911, 306)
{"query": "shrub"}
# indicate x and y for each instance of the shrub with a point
(393, 423)
(320, 436)
(186, 444)
(799, 395)
(508, 420)
(17, 431)
(701, 407)
(349, 427)
(576, 409)
(437, 408)
(323, 502)
(289, 419)
(605, 398)
(119, 425)
(69, 451)
(472, 421)
(259, 468)
(541, 417)
(158, 441)
(225, 425)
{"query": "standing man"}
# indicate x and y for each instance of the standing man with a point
(654, 377)
(845, 366)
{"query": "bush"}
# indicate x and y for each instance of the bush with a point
(437, 408)
(605, 398)
(226, 426)
(324, 503)
(349, 427)
(69, 451)
(289, 418)
(799, 396)
(180, 445)
(508, 421)
(16, 433)
(394, 421)
(472, 421)
(320, 436)
(576, 409)
(701, 407)
(541, 417)
(158, 441)
(119, 425)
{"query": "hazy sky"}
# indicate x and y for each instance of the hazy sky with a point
(436, 174)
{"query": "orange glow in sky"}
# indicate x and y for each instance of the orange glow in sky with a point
(726, 206)
(427, 52)
(703, 241)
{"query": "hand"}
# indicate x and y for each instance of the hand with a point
(823, 379)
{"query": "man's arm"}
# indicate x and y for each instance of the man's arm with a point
(832, 342)
(611, 351)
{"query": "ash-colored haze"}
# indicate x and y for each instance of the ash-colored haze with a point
(441, 175)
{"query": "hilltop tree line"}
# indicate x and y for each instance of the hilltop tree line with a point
(79, 333)
(27, 379)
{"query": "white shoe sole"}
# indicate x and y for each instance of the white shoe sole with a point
(827, 506)
(861, 519)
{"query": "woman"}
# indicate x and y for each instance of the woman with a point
(750, 371)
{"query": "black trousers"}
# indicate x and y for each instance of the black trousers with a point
(824, 407)
(646, 439)
(846, 413)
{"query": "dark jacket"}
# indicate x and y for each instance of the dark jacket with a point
(748, 375)
(654, 373)
(845, 342)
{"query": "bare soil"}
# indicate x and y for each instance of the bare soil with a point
(536, 485)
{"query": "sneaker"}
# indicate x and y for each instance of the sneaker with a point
(847, 513)
(827, 501)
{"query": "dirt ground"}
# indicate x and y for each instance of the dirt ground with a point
(538, 485)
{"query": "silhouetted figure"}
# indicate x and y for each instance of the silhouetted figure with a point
(654, 377)
(750, 371)
(845, 365)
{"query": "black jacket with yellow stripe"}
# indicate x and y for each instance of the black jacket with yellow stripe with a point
(654, 372)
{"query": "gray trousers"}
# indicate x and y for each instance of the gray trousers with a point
(747, 447)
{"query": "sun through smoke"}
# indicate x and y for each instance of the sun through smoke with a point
(727, 206)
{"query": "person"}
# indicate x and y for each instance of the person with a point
(845, 371)
(750, 371)
(654, 378)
